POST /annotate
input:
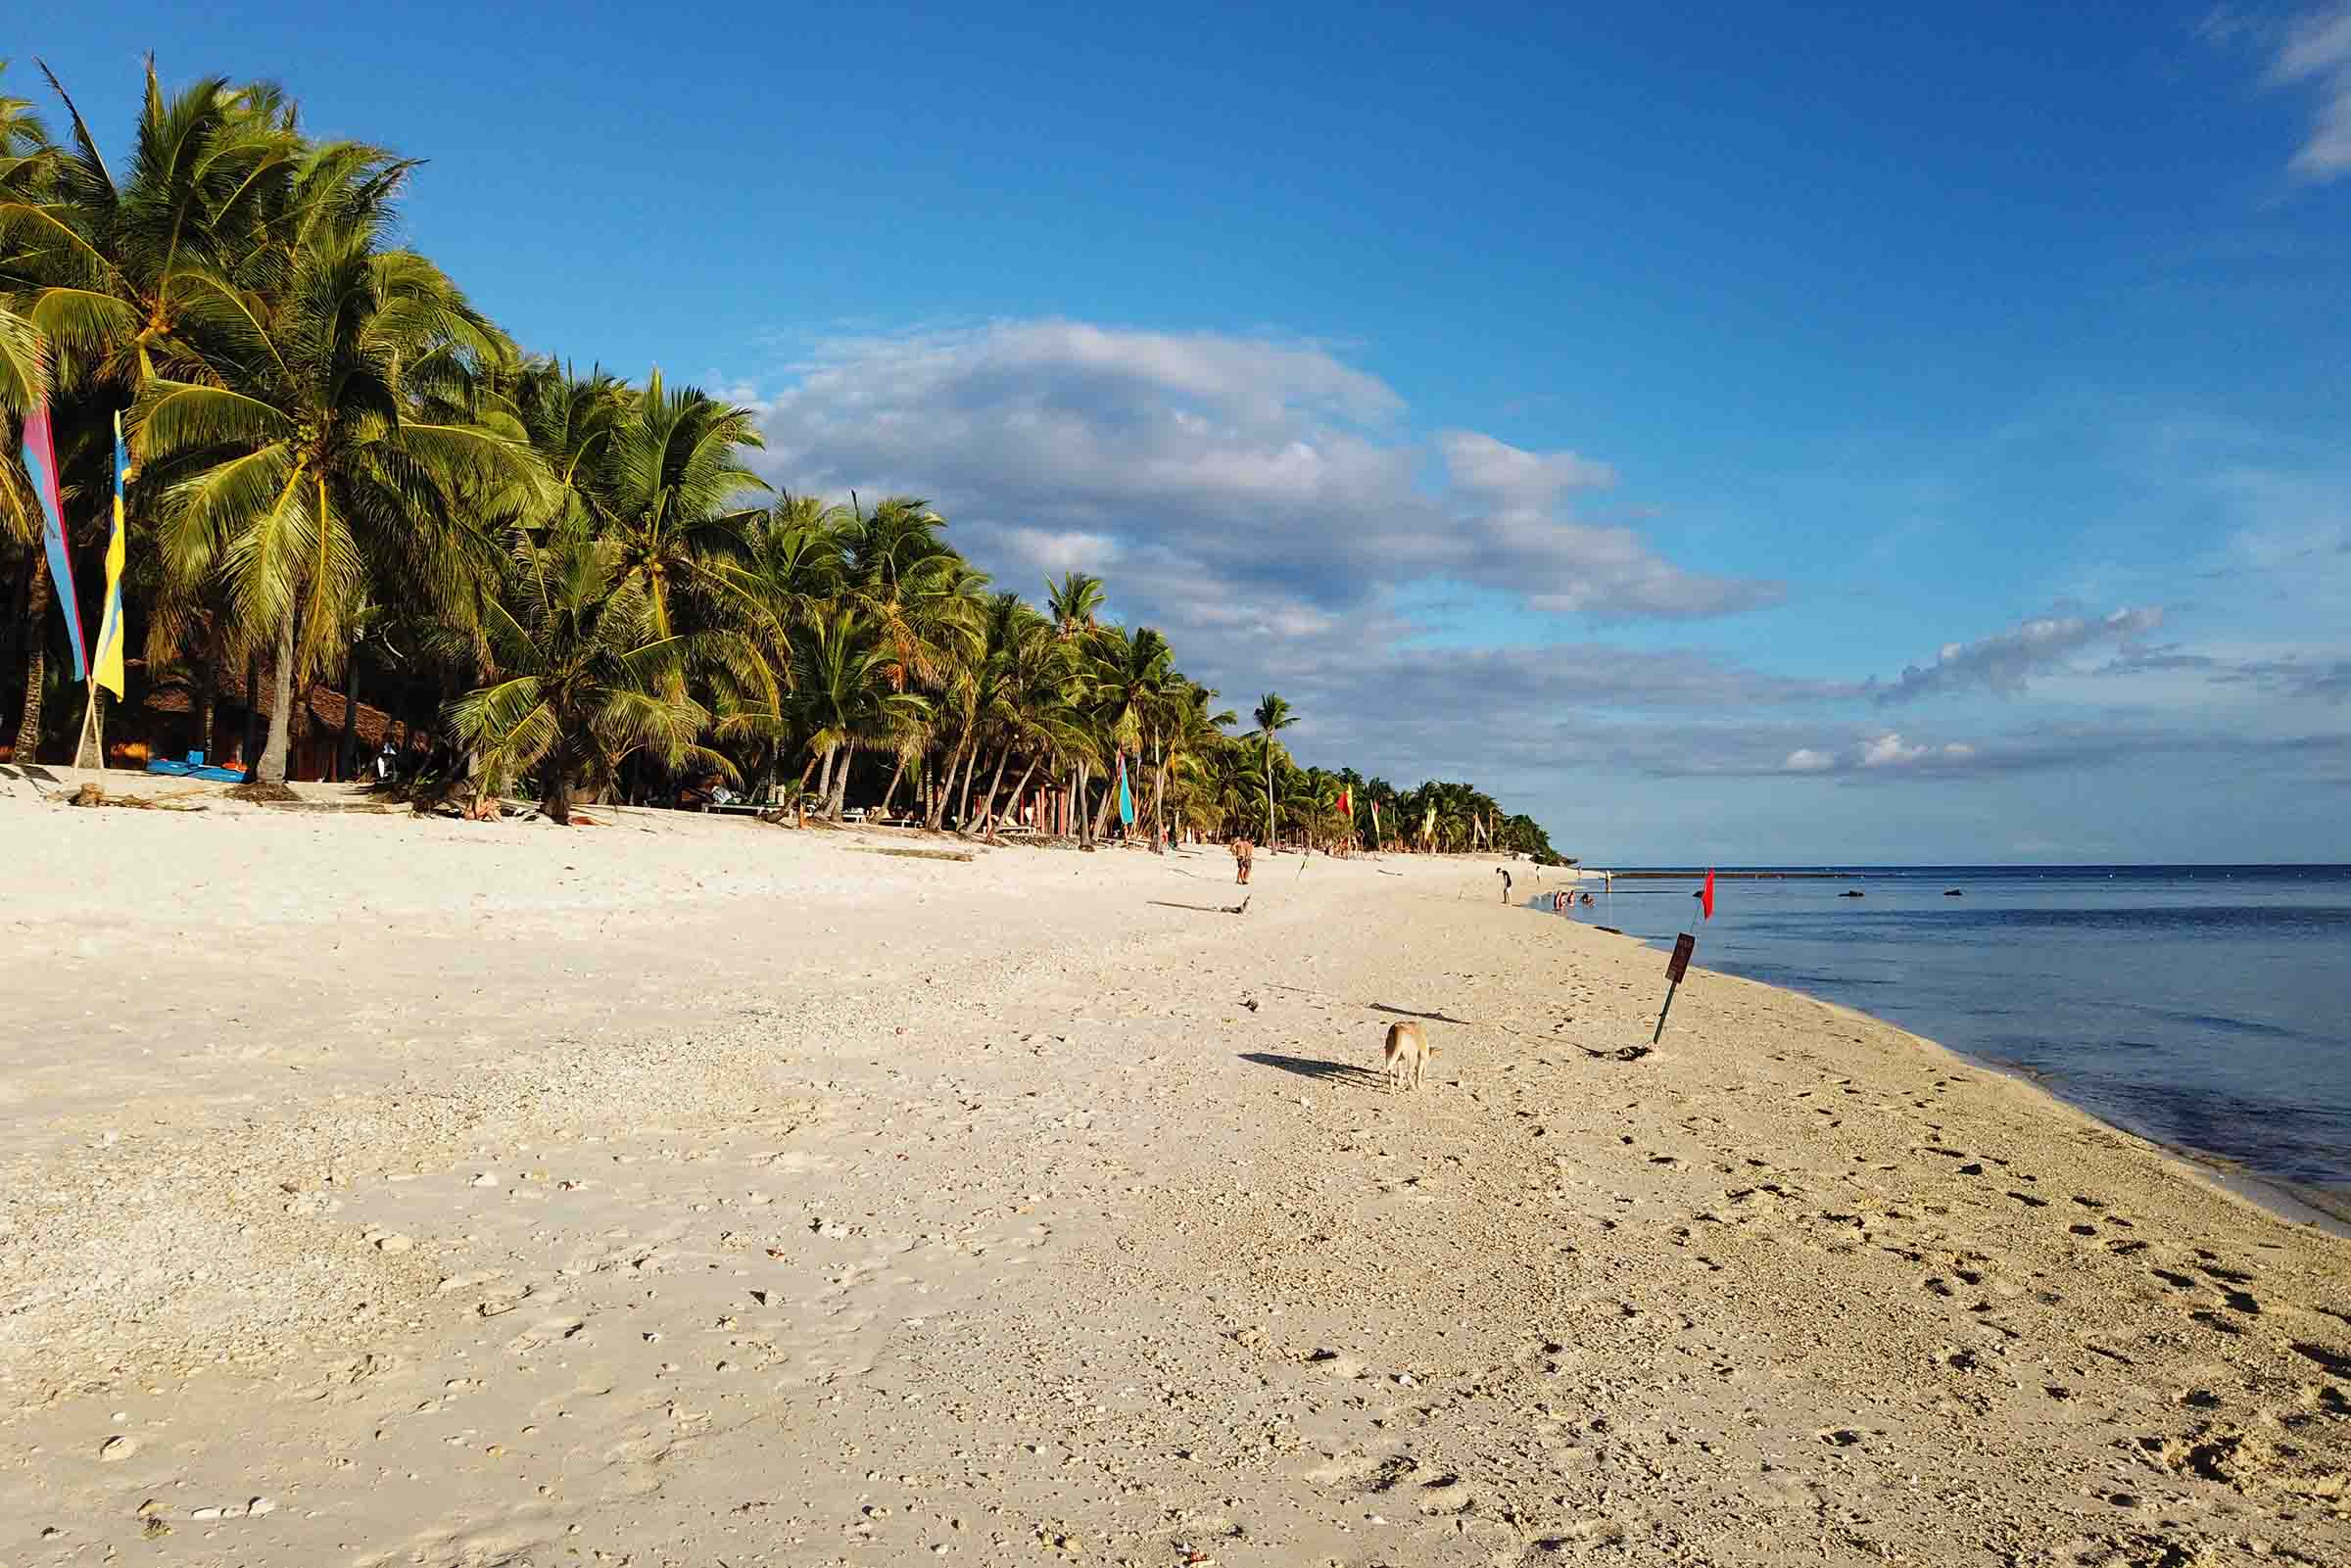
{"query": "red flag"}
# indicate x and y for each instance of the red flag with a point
(1347, 801)
(1706, 897)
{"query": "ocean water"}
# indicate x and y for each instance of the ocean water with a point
(2206, 1006)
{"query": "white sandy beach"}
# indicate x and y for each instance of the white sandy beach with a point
(390, 1191)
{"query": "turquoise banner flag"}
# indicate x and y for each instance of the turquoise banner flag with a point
(1126, 795)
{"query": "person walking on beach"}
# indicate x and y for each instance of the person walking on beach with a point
(1242, 852)
(1503, 871)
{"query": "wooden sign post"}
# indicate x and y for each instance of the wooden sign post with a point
(1675, 967)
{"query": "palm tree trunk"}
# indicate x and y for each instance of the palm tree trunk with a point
(251, 740)
(36, 661)
(1270, 845)
(1110, 798)
(345, 753)
(892, 793)
(963, 803)
(1012, 802)
(942, 791)
(988, 807)
(1158, 792)
(554, 792)
(208, 688)
(272, 768)
(841, 787)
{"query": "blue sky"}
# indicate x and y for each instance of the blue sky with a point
(1609, 408)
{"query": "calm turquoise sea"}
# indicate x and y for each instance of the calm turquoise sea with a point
(2207, 1006)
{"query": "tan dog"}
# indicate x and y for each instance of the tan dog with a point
(1407, 1050)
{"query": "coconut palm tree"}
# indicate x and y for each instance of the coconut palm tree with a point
(146, 277)
(119, 280)
(1029, 688)
(923, 597)
(585, 679)
(845, 700)
(573, 422)
(1272, 715)
(1195, 739)
(571, 570)
(1075, 604)
(1128, 678)
(28, 162)
(308, 476)
(672, 492)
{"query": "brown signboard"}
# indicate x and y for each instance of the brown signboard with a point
(1679, 965)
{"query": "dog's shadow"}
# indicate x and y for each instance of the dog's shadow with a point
(1307, 1066)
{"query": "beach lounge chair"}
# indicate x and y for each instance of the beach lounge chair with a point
(747, 808)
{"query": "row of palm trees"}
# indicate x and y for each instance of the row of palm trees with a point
(344, 469)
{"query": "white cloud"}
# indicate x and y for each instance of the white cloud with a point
(1063, 550)
(2005, 661)
(1518, 478)
(2311, 49)
(1226, 474)
(1889, 751)
(2316, 49)
(1885, 751)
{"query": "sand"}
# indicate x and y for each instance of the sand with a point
(379, 1190)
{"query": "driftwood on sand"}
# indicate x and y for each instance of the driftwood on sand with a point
(90, 795)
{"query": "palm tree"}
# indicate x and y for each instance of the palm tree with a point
(1130, 676)
(142, 279)
(28, 161)
(1075, 603)
(585, 679)
(1272, 715)
(1031, 680)
(1075, 606)
(843, 693)
(921, 597)
(1192, 735)
(675, 475)
(119, 280)
(573, 422)
(571, 570)
(310, 476)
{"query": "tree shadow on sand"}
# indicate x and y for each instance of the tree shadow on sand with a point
(1307, 1066)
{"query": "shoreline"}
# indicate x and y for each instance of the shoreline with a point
(699, 1187)
(2325, 1208)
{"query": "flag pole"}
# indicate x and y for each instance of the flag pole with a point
(1658, 1033)
(105, 670)
(89, 751)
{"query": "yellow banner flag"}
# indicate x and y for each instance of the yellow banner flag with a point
(107, 668)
